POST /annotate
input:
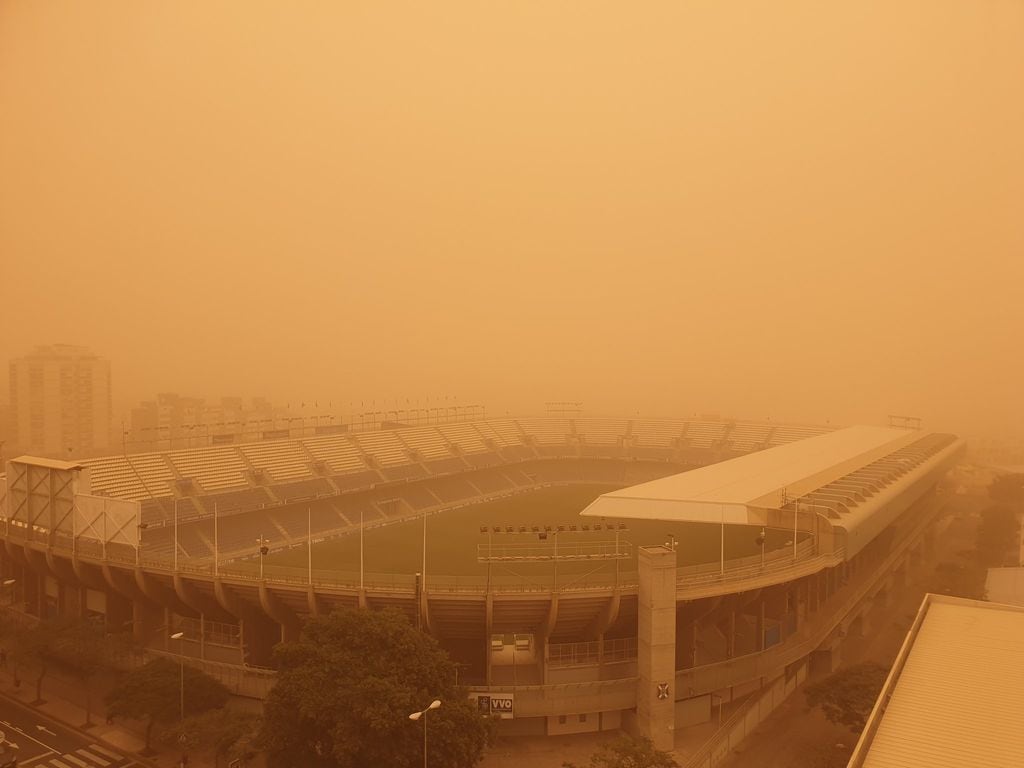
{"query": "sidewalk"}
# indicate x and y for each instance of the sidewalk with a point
(123, 737)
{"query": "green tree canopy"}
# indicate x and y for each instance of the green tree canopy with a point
(1008, 489)
(848, 695)
(346, 689)
(153, 692)
(628, 752)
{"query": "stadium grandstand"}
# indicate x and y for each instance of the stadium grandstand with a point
(782, 538)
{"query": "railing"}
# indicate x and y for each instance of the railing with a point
(590, 652)
(693, 580)
(701, 758)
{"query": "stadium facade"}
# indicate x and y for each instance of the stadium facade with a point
(131, 541)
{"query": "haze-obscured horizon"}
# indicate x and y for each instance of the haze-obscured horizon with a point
(798, 210)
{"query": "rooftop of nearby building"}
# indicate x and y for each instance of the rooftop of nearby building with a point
(953, 697)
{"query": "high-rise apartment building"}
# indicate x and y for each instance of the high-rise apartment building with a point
(61, 402)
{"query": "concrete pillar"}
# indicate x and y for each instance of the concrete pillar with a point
(656, 643)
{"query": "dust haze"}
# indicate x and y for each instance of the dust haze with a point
(798, 210)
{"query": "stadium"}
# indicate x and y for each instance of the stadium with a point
(586, 574)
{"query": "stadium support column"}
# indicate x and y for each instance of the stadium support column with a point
(656, 652)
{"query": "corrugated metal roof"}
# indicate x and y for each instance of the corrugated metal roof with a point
(954, 699)
(723, 491)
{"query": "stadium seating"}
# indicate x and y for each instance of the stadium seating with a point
(212, 468)
(704, 434)
(745, 438)
(281, 459)
(302, 489)
(547, 431)
(336, 451)
(140, 476)
(385, 448)
(656, 434)
(250, 498)
(465, 436)
(426, 442)
(608, 432)
(502, 432)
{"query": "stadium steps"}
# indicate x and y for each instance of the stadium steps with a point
(527, 614)
(368, 459)
(575, 617)
(454, 619)
(173, 469)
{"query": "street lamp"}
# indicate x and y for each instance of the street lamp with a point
(760, 540)
(423, 713)
(179, 636)
(263, 550)
(138, 541)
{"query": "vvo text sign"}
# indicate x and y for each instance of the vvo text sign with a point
(499, 704)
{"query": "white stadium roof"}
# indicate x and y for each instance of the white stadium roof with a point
(723, 492)
(953, 697)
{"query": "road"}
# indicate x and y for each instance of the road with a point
(42, 743)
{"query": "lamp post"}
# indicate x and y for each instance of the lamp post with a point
(138, 542)
(423, 713)
(180, 636)
(263, 550)
(175, 534)
(760, 540)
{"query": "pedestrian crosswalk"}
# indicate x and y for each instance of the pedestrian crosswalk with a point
(92, 756)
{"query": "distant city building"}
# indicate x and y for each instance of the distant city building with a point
(61, 402)
(173, 421)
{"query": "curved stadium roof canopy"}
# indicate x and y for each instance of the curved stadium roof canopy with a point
(856, 476)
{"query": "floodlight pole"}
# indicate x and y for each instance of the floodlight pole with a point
(175, 534)
(721, 508)
(554, 586)
(309, 543)
(796, 509)
(216, 545)
(423, 584)
(360, 550)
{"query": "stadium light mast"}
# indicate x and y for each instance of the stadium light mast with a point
(309, 543)
(216, 545)
(175, 533)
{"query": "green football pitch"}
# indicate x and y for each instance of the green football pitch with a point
(454, 539)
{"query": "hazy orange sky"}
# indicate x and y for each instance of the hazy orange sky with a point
(801, 210)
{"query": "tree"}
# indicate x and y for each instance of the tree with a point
(222, 732)
(997, 536)
(152, 692)
(77, 648)
(1008, 489)
(628, 752)
(848, 695)
(345, 690)
(38, 646)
